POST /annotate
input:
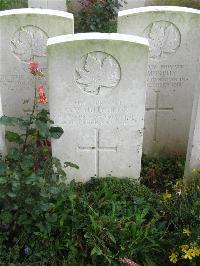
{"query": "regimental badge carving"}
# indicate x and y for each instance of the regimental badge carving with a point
(97, 73)
(28, 43)
(164, 39)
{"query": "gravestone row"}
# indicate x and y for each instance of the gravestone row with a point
(99, 95)
(76, 5)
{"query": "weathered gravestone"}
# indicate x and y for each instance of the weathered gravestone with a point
(24, 34)
(132, 4)
(173, 69)
(97, 95)
(193, 152)
(48, 4)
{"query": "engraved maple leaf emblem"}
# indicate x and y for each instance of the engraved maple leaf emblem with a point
(97, 73)
(164, 38)
(29, 42)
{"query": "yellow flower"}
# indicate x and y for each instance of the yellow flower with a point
(173, 257)
(194, 170)
(167, 196)
(184, 248)
(186, 231)
(188, 254)
(178, 184)
(196, 251)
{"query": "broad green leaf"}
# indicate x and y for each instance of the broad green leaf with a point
(9, 121)
(56, 132)
(14, 154)
(27, 162)
(13, 137)
(72, 165)
(42, 128)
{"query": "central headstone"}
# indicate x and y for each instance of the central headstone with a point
(174, 39)
(97, 95)
(48, 4)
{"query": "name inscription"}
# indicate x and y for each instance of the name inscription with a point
(166, 76)
(98, 113)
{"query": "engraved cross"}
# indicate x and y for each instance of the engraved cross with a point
(157, 109)
(97, 150)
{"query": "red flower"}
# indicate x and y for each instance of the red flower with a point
(41, 94)
(33, 67)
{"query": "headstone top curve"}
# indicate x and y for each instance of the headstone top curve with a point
(157, 9)
(97, 36)
(36, 11)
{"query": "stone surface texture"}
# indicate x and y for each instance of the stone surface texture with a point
(24, 34)
(48, 4)
(98, 98)
(2, 134)
(133, 4)
(193, 152)
(174, 39)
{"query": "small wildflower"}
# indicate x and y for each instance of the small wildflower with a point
(41, 94)
(128, 262)
(167, 196)
(173, 257)
(178, 184)
(135, 201)
(33, 67)
(194, 171)
(186, 231)
(188, 254)
(178, 192)
(196, 251)
(27, 250)
(184, 248)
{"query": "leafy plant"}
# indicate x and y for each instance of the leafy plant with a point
(160, 173)
(30, 178)
(11, 4)
(98, 15)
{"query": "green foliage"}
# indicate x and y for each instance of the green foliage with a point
(11, 4)
(186, 3)
(159, 173)
(94, 223)
(98, 16)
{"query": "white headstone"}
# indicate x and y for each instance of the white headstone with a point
(24, 34)
(97, 95)
(133, 4)
(48, 4)
(173, 70)
(193, 152)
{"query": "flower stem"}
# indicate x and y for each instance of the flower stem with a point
(31, 117)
